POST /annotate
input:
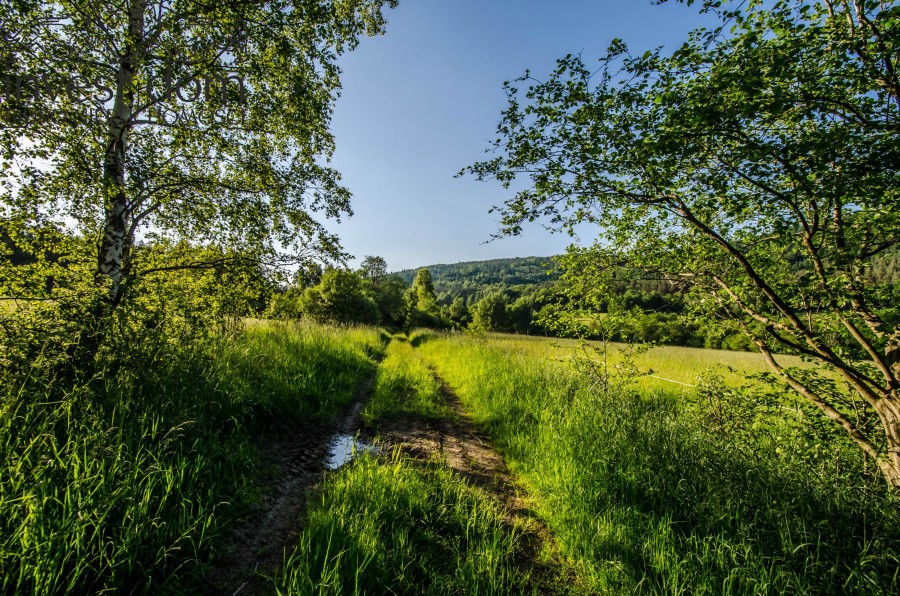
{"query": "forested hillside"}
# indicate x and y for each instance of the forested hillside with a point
(518, 275)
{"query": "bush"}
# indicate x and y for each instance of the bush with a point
(339, 299)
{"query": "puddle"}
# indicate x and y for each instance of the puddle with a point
(343, 448)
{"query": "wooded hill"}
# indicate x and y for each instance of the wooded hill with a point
(516, 276)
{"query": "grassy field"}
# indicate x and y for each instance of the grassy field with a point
(127, 483)
(647, 494)
(667, 367)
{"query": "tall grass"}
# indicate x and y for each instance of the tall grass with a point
(646, 496)
(404, 385)
(127, 481)
(390, 526)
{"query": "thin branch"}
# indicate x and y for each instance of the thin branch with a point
(832, 413)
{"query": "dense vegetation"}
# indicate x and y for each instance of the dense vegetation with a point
(664, 492)
(129, 481)
(536, 296)
(169, 302)
(755, 166)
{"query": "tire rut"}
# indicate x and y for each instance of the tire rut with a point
(259, 541)
(458, 444)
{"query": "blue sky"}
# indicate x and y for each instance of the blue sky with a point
(423, 101)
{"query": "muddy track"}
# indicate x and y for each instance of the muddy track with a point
(259, 542)
(457, 443)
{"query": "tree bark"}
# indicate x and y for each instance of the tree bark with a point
(888, 410)
(113, 252)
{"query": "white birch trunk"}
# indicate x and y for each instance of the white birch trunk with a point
(113, 253)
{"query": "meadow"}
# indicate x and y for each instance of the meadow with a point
(132, 484)
(650, 490)
(646, 490)
(660, 366)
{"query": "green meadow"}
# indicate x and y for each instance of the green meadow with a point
(645, 491)
(660, 365)
(133, 485)
(651, 490)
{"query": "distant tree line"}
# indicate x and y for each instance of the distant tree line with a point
(524, 296)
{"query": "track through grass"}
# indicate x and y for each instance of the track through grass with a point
(128, 482)
(645, 495)
(440, 496)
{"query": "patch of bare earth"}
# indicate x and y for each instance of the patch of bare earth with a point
(259, 542)
(457, 443)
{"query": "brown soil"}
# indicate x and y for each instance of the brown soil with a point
(468, 452)
(260, 541)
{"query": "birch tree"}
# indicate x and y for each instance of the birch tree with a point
(175, 119)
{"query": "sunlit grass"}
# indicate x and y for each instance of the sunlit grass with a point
(404, 385)
(647, 495)
(665, 367)
(391, 526)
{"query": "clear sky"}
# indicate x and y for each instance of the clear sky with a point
(423, 101)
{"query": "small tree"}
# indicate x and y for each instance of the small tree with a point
(489, 313)
(519, 315)
(286, 304)
(421, 302)
(459, 313)
(308, 274)
(373, 269)
(388, 295)
(422, 291)
(339, 299)
(759, 167)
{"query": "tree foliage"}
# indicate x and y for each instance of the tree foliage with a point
(373, 269)
(174, 120)
(756, 164)
(489, 313)
(525, 274)
(339, 299)
(389, 295)
(421, 302)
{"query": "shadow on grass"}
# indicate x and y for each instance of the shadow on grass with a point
(679, 509)
(420, 337)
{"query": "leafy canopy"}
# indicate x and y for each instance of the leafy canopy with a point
(182, 120)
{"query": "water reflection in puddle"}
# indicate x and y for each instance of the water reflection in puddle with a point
(344, 448)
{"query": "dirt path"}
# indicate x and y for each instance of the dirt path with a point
(464, 449)
(258, 543)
